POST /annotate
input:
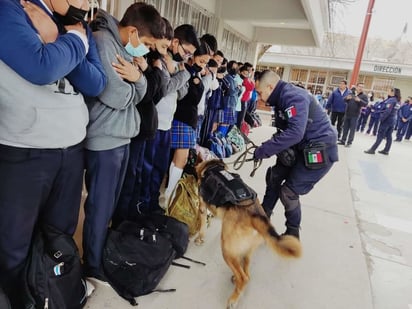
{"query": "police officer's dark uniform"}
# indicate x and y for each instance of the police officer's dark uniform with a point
(405, 112)
(387, 124)
(302, 125)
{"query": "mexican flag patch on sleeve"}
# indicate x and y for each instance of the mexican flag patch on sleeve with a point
(290, 112)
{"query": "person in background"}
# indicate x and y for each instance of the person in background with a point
(376, 109)
(249, 85)
(364, 114)
(336, 105)
(211, 41)
(48, 62)
(114, 120)
(230, 94)
(405, 119)
(354, 102)
(219, 57)
(319, 96)
(387, 121)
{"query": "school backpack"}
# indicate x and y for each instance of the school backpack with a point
(226, 145)
(234, 136)
(175, 231)
(184, 203)
(135, 259)
(216, 146)
(53, 272)
(4, 301)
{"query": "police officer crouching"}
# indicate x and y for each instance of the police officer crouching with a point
(305, 145)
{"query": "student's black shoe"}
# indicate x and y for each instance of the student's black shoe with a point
(97, 275)
(369, 151)
(383, 152)
(341, 143)
(348, 145)
(397, 140)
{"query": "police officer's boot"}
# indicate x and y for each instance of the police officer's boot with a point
(292, 231)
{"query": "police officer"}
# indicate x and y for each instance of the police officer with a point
(375, 114)
(405, 117)
(305, 146)
(387, 121)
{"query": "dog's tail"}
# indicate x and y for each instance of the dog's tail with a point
(285, 245)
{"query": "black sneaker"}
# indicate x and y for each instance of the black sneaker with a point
(383, 152)
(369, 151)
(348, 145)
(95, 275)
(341, 143)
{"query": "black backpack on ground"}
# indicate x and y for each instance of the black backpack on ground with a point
(4, 301)
(135, 259)
(174, 230)
(53, 273)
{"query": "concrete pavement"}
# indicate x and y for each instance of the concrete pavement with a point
(356, 236)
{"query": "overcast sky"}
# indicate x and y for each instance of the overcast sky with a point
(388, 18)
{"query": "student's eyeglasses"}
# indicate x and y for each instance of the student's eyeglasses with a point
(187, 54)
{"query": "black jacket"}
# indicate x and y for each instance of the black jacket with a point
(147, 107)
(353, 108)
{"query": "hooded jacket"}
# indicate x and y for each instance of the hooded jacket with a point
(114, 118)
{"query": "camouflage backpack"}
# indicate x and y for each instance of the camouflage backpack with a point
(184, 203)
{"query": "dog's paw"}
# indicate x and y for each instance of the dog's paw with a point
(231, 304)
(199, 240)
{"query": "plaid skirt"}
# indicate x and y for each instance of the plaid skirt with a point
(227, 116)
(182, 136)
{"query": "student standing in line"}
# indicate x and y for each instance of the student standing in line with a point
(183, 134)
(157, 152)
(48, 61)
(134, 197)
(114, 120)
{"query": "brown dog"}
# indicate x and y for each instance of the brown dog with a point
(244, 227)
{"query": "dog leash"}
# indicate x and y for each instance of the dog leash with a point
(241, 159)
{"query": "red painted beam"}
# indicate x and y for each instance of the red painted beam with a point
(362, 42)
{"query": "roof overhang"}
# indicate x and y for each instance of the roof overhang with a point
(278, 22)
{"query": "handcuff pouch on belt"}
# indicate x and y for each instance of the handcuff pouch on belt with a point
(315, 156)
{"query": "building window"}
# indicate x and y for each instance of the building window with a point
(336, 79)
(233, 46)
(316, 81)
(299, 75)
(381, 85)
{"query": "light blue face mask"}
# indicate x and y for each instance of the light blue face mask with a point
(138, 51)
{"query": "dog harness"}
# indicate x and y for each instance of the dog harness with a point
(221, 188)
